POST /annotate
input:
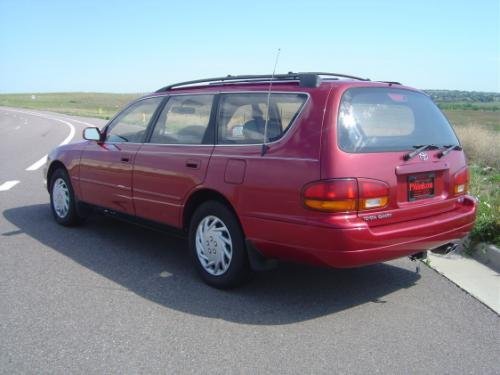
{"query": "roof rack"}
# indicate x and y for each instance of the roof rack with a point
(390, 83)
(306, 79)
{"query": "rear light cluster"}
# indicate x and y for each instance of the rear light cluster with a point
(461, 181)
(346, 195)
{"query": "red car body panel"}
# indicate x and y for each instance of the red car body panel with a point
(106, 175)
(265, 191)
(164, 175)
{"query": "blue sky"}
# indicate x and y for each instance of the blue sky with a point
(139, 46)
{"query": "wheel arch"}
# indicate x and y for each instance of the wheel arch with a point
(54, 165)
(199, 197)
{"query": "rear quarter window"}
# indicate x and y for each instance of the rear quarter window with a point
(242, 117)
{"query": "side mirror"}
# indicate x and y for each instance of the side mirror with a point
(92, 134)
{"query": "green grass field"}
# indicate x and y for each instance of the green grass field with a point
(98, 105)
(477, 125)
(483, 118)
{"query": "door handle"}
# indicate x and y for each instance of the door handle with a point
(195, 164)
(125, 159)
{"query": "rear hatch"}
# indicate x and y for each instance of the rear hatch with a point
(398, 138)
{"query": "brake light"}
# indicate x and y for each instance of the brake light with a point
(346, 195)
(461, 181)
(332, 196)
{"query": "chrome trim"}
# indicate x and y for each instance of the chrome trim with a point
(232, 155)
(178, 144)
(264, 157)
(177, 153)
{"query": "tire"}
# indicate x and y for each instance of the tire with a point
(217, 246)
(62, 199)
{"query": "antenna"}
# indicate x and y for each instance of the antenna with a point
(265, 147)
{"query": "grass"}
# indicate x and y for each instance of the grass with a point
(477, 125)
(488, 106)
(481, 145)
(484, 185)
(479, 133)
(468, 118)
(100, 105)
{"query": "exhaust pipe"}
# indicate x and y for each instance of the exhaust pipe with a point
(445, 249)
(419, 256)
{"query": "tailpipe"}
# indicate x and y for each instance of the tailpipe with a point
(445, 249)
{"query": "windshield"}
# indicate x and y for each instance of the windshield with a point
(375, 119)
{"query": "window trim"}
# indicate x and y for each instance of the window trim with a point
(213, 118)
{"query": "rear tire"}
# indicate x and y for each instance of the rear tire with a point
(62, 199)
(217, 246)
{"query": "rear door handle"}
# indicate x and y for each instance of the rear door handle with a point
(125, 159)
(195, 164)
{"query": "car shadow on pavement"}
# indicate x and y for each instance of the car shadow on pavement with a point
(156, 266)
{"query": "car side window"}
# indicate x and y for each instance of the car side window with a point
(183, 120)
(132, 123)
(242, 117)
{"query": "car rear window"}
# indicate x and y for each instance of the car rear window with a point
(376, 119)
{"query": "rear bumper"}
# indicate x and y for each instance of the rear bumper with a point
(353, 247)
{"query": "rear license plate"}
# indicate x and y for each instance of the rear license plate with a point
(420, 186)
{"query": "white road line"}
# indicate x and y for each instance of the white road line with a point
(40, 163)
(8, 185)
(81, 122)
(61, 117)
(36, 165)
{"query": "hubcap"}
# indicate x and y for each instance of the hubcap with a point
(214, 246)
(60, 198)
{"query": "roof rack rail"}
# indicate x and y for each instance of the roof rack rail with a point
(306, 79)
(391, 83)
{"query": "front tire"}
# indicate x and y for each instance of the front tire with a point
(62, 199)
(217, 246)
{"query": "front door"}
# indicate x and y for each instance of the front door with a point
(106, 166)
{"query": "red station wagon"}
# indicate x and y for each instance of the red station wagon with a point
(320, 168)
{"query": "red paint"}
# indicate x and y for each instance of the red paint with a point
(266, 191)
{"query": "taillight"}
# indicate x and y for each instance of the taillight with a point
(372, 194)
(346, 195)
(332, 196)
(461, 181)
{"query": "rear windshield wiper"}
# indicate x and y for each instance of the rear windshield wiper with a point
(448, 149)
(419, 149)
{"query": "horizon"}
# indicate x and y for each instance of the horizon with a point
(115, 47)
(148, 92)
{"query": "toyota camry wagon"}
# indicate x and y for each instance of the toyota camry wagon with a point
(319, 168)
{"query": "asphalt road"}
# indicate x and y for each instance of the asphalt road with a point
(110, 297)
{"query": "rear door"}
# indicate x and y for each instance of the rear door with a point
(175, 158)
(106, 166)
(378, 128)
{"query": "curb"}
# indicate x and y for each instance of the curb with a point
(473, 277)
(489, 255)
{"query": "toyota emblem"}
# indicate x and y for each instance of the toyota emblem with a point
(423, 156)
